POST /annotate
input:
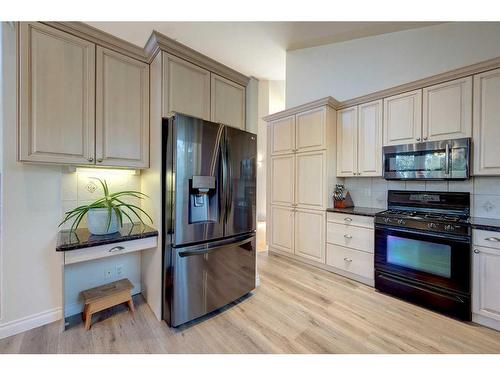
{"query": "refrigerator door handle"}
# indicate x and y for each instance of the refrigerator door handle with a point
(223, 191)
(230, 183)
(206, 250)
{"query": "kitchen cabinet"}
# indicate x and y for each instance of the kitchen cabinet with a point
(347, 142)
(227, 102)
(486, 288)
(310, 234)
(122, 110)
(486, 153)
(283, 177)
(447, 110)
(282, 228)
(56, 116)
(359, 140)
(310, 131)
(186, 88)
(310, 167)
(282, 135)
(403, 118)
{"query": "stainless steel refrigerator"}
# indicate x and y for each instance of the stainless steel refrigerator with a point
(209, 199)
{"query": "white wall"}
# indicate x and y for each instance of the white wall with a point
(362, 66)
(31, 270)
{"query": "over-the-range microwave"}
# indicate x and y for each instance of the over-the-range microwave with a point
(435, 160)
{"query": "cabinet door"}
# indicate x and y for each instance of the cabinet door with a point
(310, 235)
(370, 139)
(486, 285)
(186, 88)
(282, 179)
(310, 133)
(487, 123)
(56, 96)
(403, 118)
(282, 233)
(310, 173)
(122, 110)
(347, 142)
(227, 102)
(283, 135)
(447, 110)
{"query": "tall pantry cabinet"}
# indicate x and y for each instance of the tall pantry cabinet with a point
(301, 178)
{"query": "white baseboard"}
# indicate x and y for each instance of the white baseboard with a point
(33, 321)
(485, 321)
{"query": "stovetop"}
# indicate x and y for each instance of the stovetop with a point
(435, 221)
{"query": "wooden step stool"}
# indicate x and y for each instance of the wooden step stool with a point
(105, 296)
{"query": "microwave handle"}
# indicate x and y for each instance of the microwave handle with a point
(447, 160)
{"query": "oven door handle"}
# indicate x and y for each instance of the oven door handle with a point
(447, 160)
(385, 228)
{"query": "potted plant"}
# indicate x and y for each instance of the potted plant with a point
(105, 215)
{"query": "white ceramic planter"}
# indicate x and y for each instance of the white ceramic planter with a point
(97, 221)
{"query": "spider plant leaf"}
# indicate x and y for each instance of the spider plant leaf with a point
(119, 215)
(133, 206)
(109, 217)
(133, 193)
(127, 215)
(78, 219)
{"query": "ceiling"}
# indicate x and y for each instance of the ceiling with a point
(253, 48)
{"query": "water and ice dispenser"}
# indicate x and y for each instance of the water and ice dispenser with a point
(202, 199)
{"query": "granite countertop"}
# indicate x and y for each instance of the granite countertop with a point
(361, 211)
(485, 223)
(81, 237)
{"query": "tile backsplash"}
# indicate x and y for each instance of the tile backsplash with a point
(79, 188)
(372, 192)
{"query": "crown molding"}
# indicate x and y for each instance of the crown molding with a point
(159, 42)
(87, 32)
(329, 101)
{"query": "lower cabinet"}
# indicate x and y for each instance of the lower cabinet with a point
(486, 285)
(353, 261)
(310, 234)
(282, 228)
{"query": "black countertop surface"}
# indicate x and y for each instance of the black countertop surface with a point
(485, 223)
(81, 237)
(361, 211)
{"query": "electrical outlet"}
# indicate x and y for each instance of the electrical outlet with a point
(119, 269)
(108, 273)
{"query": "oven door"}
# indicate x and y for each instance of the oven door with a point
(438, 160)
(440, 260)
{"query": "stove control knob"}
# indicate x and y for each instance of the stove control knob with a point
(449, 227)
(401, 222)
(387, 220)
(431, 225)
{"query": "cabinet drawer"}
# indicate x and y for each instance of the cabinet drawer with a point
(358, 238)
(486, 238)
(354, 261)
(355, 220)
(104, 251)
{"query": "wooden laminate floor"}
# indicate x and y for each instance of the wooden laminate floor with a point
(296, 309)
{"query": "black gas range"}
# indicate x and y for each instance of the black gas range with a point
(423, 250)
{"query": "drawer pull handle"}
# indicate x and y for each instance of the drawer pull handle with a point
(493, 239)
(348, 219)
(348, 260)
(348, 236)
(116, 248)
(476, 251)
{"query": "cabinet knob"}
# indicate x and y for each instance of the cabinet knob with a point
(425, 138)
(348, 219)
(91, 159)
(99, 160)
(476, 251)
(348, 260)
(348, 236)
(418, 139)
(493, 239)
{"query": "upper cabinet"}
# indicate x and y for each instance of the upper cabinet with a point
(227, 102)
(305, 131)
(186, 88)
(56, 96)
(370, 139)
(487, 123)
(310, 130)
(347, 140)
(403, 118)
(122, 110)
(283, 135)
(359, 140)
(447, 110)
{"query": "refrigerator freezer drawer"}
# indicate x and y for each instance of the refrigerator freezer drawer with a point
(209, 276)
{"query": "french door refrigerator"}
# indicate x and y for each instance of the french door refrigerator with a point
(209, 199)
